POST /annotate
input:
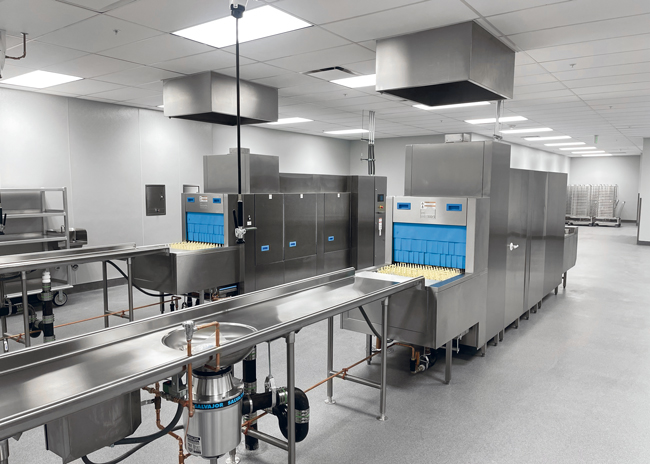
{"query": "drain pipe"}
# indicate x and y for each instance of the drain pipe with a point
(4, 452)
(250, 389)
(48, 313)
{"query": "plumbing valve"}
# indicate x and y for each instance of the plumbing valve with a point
(189, 330)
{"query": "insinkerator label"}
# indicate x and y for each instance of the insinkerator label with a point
(428, 210)
(193, 444)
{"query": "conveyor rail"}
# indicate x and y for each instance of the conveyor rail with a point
(50, 381)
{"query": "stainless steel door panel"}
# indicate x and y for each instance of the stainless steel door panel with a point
(269, 234)
(536, 246)
(336, 260)
(337, 222)
(269, 275)
(299, 225)
(517, 235)
(300, 268)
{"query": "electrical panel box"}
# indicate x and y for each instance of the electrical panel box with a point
(156, 201)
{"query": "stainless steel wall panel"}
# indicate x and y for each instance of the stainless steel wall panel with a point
(269, 237)
(299, 225)
(554, 246)
(300, 268)
(363, 221)
(336, 260)
(269, 275)
(337, 222)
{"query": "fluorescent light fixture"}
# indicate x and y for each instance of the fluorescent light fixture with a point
(346, 131)
(565, 144)
(289, 121)
(587, 152)
(256, 24)
(542, 139)
(161, 106)
(604, 154)
(530, 129)
(40, 79)
(449, 107)
(357, 81)
(580, 148)
(493, 120)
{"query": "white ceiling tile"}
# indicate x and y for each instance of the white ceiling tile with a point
(255, 71)
(174, 15)
(90, 66)
(100, 6)
(159, 48)
(11, 70)
(529, 70)
(125, 93)
(324, 58)
(38, 17)
(534, 79)
(636, 68)
(597, 61)
(570, 13)
(217, 59)
(49, 91)
(421, 16)
(98, 33)
(153, 101)
(138, 76)
(495, 7)
(40, 55)
(522, 58)
(370, 44)
(155, 85)
(13, 41)
(628, 93)
(595, 47)
(288, 80)
(305, 40)
(305, 89)
(619, 27)
(524, 89)
(363, 67)
(320, 12)
(86, 87)
(606, 82)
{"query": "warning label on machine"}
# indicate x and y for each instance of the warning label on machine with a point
(193, 444)
(428, 210)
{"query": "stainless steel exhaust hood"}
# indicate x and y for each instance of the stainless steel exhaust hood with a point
(212, 97)
(462, 63)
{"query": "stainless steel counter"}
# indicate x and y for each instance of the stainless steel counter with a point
(47, 382)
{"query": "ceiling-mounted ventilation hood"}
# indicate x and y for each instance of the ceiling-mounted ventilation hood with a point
(212, 97)
(462, 63)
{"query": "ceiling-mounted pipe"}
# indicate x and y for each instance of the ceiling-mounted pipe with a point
(24, 55)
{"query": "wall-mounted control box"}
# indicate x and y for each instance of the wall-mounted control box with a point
(156, 200)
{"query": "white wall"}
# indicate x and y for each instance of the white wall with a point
(644, 190)
(105, 154)
(299, 153)
(620, 170)
(391, 152)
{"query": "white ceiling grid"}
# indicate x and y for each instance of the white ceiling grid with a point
(582, 67)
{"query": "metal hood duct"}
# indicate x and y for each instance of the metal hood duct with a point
(462, 63)
(212, 97)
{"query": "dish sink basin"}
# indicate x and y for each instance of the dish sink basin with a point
(205, 339)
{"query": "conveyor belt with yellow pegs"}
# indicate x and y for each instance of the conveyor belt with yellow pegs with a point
(415, 270)
(191, 246)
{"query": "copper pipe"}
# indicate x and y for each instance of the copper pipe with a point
(217, 334)
(247, 425)
(19, 336)
(190, 406)
(24, 50)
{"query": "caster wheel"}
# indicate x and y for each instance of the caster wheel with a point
(60, 299)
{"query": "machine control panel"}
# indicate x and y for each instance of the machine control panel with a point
(381, 203)
(430, 210)
(204, 202)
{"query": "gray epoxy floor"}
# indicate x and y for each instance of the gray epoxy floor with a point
(571, 385)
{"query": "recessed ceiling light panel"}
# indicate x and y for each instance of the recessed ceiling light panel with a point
(553, 137)
(346, 131)
(40, 79)
(587, 152)
(357, 81)
(256, 24)
(450, 107)
(579, 148)
(602, 154)
(493, 120)
(289, 121)
(565, 144)
(530, 129)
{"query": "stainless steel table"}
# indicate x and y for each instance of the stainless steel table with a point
(47, 382)
(22, 263)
